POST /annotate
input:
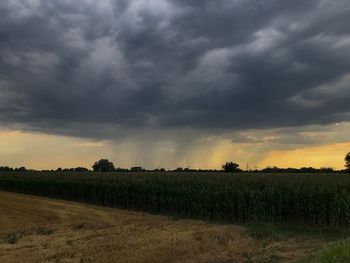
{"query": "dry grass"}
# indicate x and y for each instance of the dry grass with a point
(45, 230)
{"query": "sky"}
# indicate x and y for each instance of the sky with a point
(170, 83)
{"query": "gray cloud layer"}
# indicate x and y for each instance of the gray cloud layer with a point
(227, 64)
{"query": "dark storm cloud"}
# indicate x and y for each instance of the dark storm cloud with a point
(228, 64)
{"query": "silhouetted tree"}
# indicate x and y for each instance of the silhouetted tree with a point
(273, 169)
(81, 169)
(326, 170)
(103, 165)
(159, 170)
(308, 170)
(20, 169)
(231, 167)
(6, 168)
(137, 169)
(347, 161)
(119, 169)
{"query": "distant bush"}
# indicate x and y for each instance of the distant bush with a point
(137, 169)
(10, 169)
(13, 238)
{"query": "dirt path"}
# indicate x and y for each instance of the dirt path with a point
(35, 229)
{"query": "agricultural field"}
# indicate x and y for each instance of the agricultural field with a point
(37, 229)
(311, 200)
(174, 217)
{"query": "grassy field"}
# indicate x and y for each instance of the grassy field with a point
(36, 229)
(311, 200)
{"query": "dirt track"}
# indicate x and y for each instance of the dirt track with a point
(34, 229)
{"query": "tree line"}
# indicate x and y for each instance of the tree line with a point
(104, 165)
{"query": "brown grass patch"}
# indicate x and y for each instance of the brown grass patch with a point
(59, 231)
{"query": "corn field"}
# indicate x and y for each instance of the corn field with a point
(229, 198)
